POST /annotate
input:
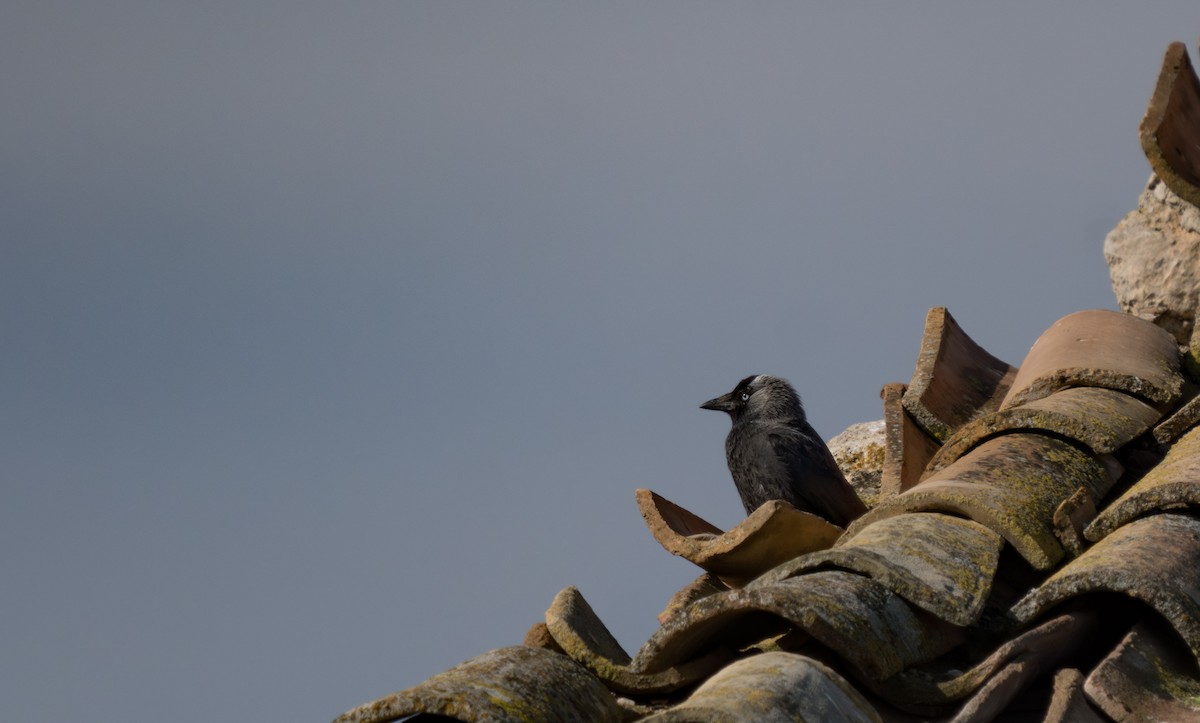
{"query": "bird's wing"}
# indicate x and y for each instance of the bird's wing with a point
(760, 475)
(820, 483)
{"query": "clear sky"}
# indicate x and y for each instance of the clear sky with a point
(338, 336)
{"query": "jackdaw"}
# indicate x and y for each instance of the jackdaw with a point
(774, 454)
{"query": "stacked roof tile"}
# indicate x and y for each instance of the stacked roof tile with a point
(1034, 554)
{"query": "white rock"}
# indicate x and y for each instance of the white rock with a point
(1153, 258)
(858, 452)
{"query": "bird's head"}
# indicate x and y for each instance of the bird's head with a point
(759, 397)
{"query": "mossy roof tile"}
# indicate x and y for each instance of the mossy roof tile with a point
(939, 563)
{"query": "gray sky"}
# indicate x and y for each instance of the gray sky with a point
(337, 336)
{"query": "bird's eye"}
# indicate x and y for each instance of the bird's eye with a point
(745, 396)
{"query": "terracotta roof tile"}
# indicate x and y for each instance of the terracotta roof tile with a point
(860, 620)
(999, 691)
(1149, 676)
(1172, 483)
(907, 447)
(772, 534)
(939, 563)
(517, 683)
(773, 687)
(955, 378)
(1068, 704)
(1170, 130)
(1179, 422)
(581, 635)
(1100, 348)
(703, 586)
(1153, 559)
(1101, 419)
(1070, 519)
(1012, 485)
(936, 689)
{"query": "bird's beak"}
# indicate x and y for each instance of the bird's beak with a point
(723, 403)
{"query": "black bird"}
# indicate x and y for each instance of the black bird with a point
(774, 454)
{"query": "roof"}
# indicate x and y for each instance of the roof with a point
(1034, 553)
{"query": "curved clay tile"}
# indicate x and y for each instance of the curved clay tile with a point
(1101, 419)
(955, 379)
(1174, 482)
(703, 586)
(584, 638)
(1100, 348)
(773, 687)
(907, 447)
(1152, 559)
(1150, 673)
(1068, 704)
(1011, 484)
(939, 563)
(999, 691)
(516, 683)
(1181, 420)
(1071, 517)
(1170, 130)
(772, 534)
(854, 616)
(934, 687)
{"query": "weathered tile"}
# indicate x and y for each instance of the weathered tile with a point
(1182, 419)
(1170, 130)
(703, 586)
(773, 687)
(942, 564)
(939, 684)
(1152, 559)
(1070, 519)
(772, 534)
(1101, 419)
(907, 448)
(1068, 704)
(581, 635)
(1100, 348)
(955, 379)
(1011, 484)
(516, 683)
(1174, 482)
(538, 636)
(857, 618)
(998, 692)
(1149, 676)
